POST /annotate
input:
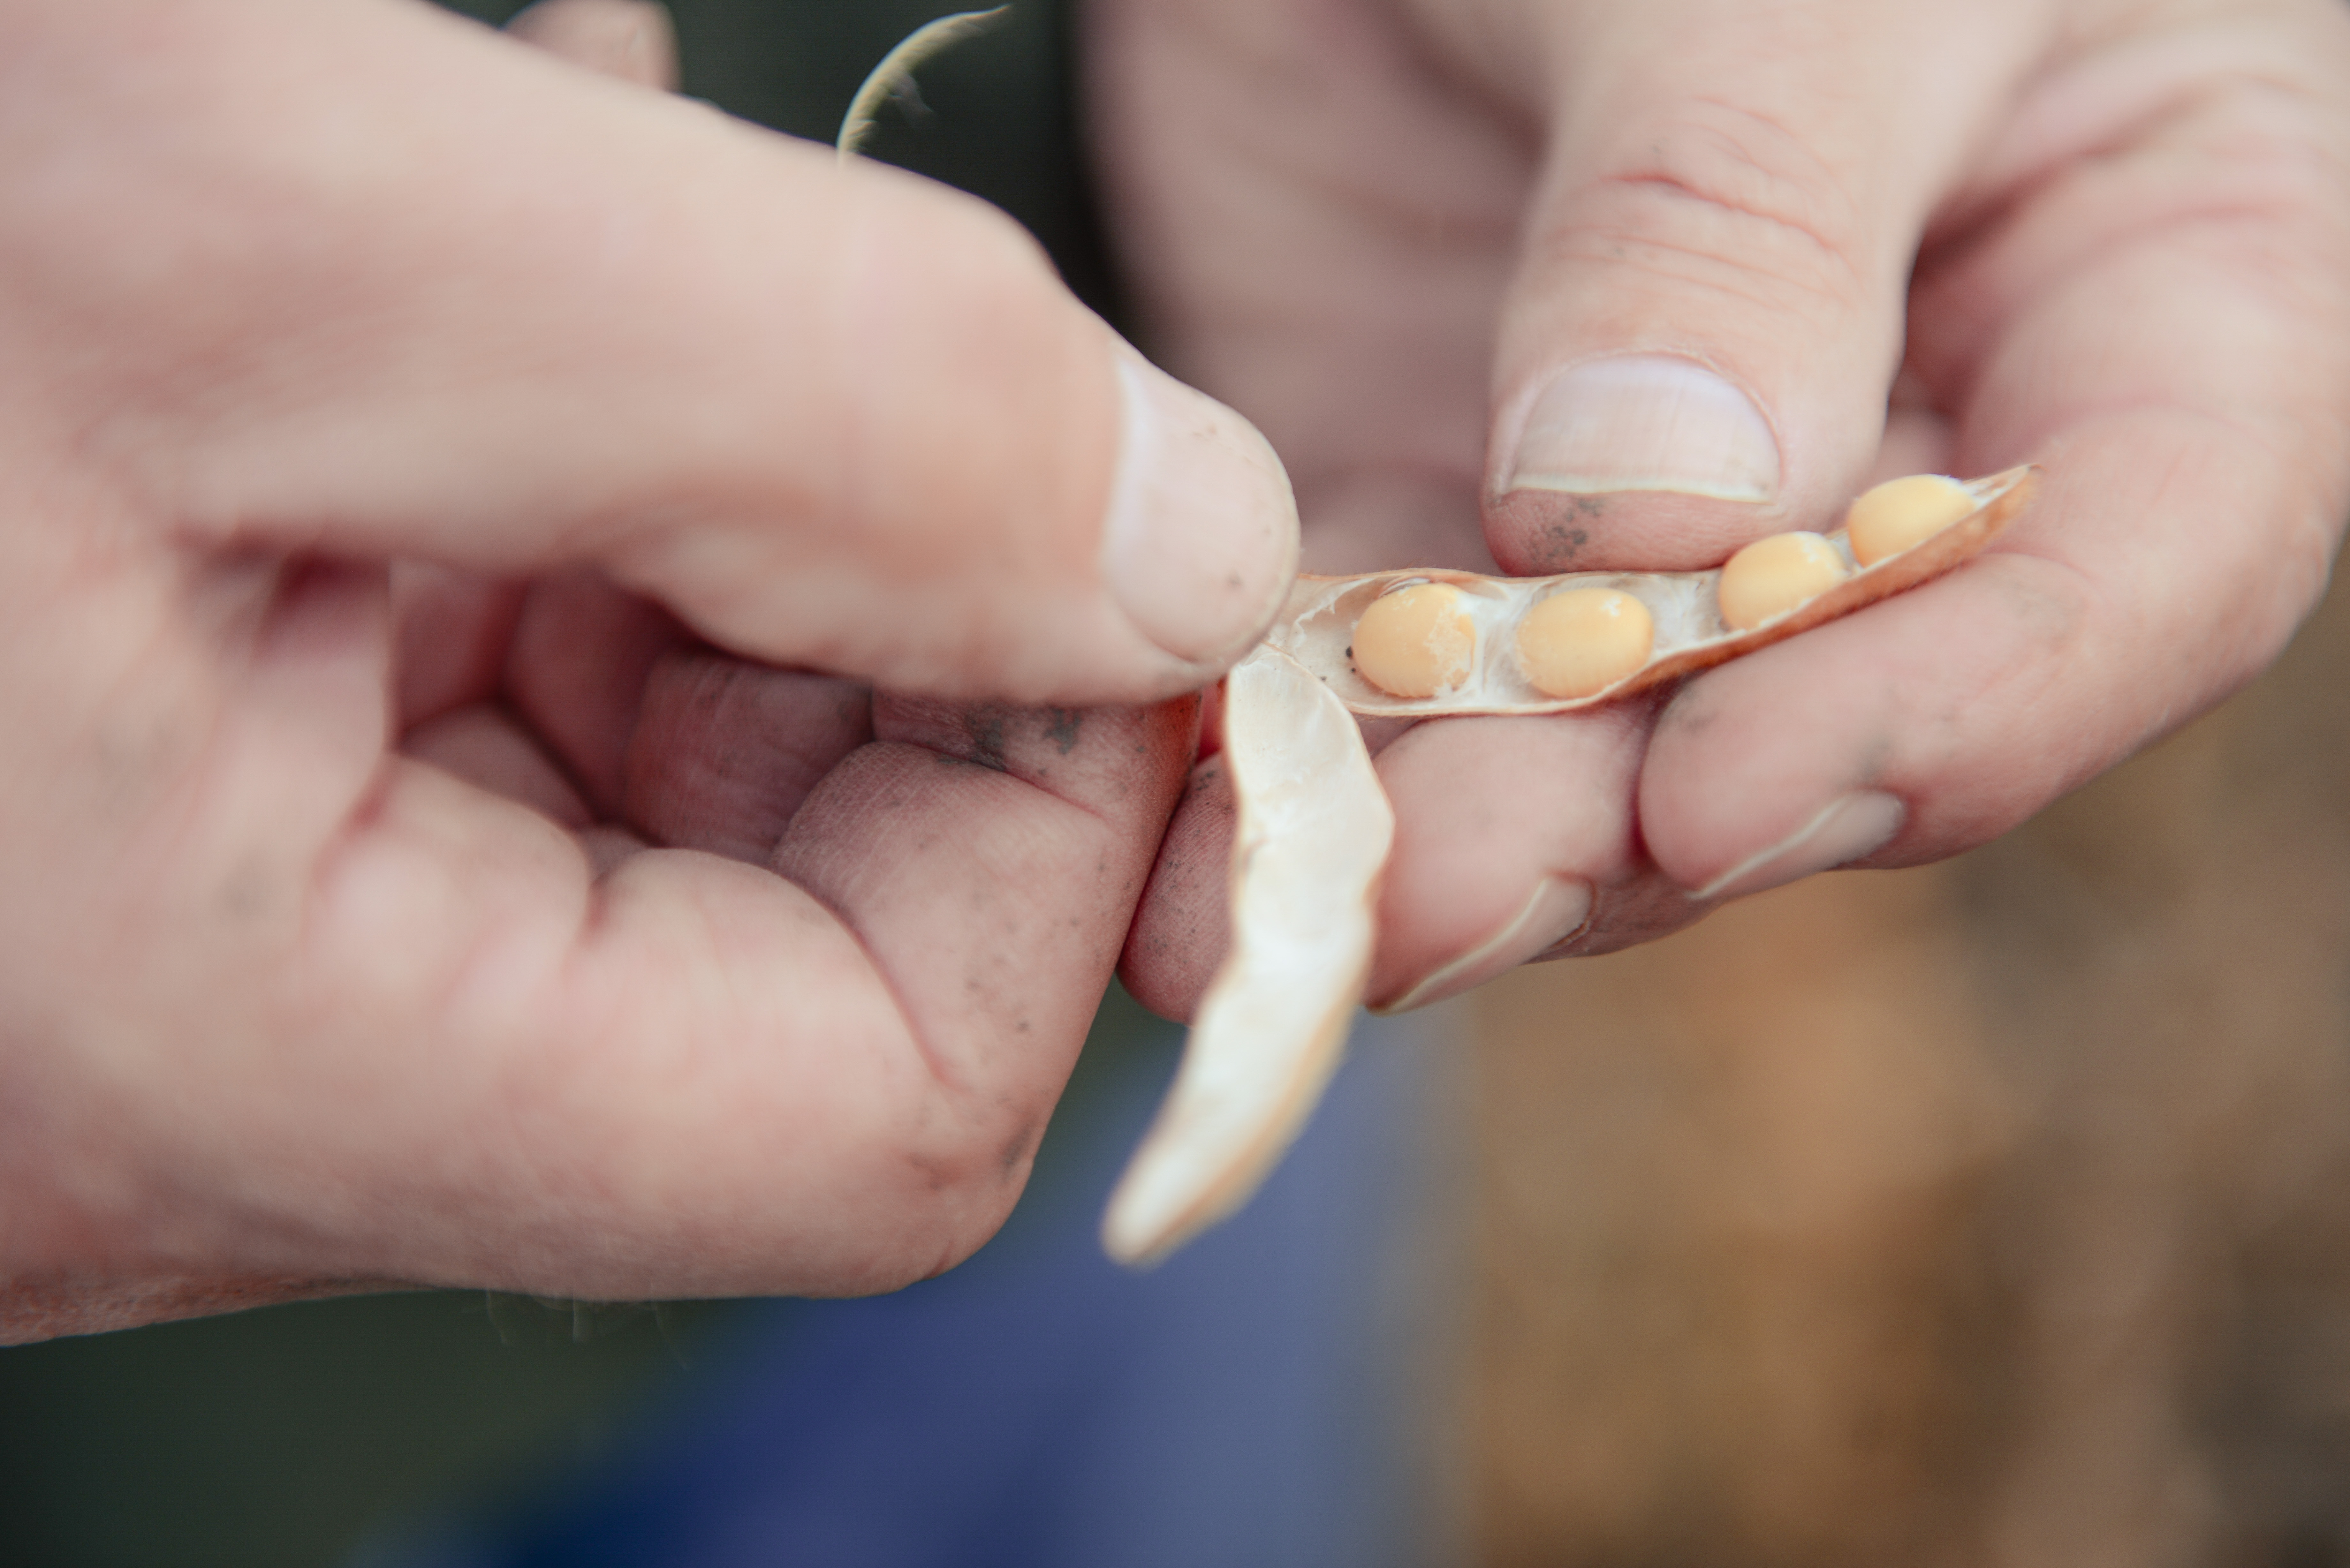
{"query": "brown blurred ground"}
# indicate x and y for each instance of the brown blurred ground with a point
(1996, 1212)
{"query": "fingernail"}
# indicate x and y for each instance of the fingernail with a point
(1202, 538)
(1646, 422)
(1844, 830)
(1555, 910)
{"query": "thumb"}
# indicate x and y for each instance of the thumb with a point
(372, 281)
(1708, 315)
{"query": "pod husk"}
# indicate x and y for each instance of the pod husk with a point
(1313, 837)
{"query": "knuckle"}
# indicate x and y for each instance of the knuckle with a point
(1728, 196)
(960, 1193)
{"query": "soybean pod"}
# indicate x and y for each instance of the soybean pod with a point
(1315, 829)
(1465, 643)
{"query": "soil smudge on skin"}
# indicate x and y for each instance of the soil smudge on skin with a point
(1562, 544)
(1562, 541)
(985, 728)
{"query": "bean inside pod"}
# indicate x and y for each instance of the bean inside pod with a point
(1520, 658)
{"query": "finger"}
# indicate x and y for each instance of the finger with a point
(1183, 925)
(1496, 860)
(1708, 313)
(693, 749)
(725, 753)
(731, 1083)
(575, 672)
(832, 417)
(2197, 470)
(1512, 836)
(631, 40)
(721, 753)
(452, 630)
(484, 745)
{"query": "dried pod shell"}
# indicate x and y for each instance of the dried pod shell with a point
(1315, 830)
(1313, 838)
(1317, 627)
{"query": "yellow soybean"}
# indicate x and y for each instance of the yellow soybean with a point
(1580, 642)
(1899, 513)
(1774, 575)
(1416, 641)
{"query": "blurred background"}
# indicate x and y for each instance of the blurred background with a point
(1992, 1213)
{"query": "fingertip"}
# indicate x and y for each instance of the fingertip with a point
(1201, 540)
(1182, 926)
(1040, 515)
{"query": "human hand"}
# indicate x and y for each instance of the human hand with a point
(1781, 251)
(433, 472)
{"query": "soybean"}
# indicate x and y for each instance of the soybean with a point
(1902, 513)
(1581, 641)
(1774, 575)
(1418, 641)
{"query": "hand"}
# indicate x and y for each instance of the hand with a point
(433, 472)
(1584, 284)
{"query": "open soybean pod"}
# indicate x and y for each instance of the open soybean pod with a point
(1314, 827)
(1476, 638)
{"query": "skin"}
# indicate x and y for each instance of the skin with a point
(2111, 236)
(431, 855)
